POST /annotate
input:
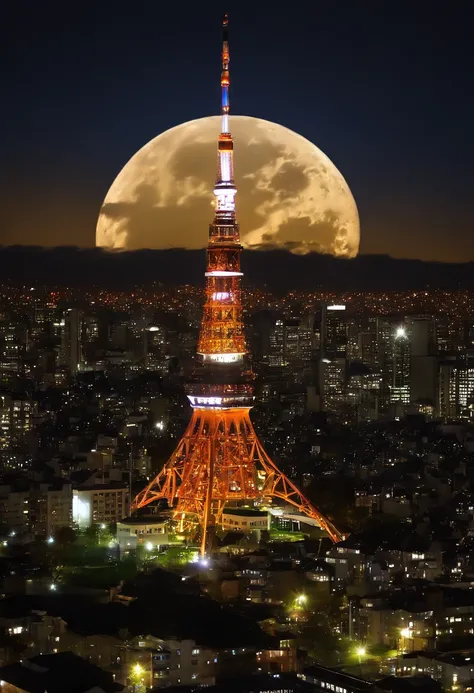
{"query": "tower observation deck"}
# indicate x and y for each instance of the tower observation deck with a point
(219, 460)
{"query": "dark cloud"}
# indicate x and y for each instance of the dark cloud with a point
(300, 235)
(289, 180)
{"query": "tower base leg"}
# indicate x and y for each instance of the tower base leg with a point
(218, 461)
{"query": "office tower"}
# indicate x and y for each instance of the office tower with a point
(423, 362)
(333, 340)
(71, 351)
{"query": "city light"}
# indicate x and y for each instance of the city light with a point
(405, 633)
(223, 273)
(149, 546)
(52, 587)
(160, 425)
(50, 540)
(223, 358)
(137, 669)
(301, 599)
(401, 333)
(360, 651)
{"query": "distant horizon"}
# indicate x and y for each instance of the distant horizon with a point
(277, 270)
(259, 251)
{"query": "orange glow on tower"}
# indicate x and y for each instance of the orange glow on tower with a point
(219, 460)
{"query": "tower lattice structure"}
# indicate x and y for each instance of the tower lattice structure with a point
(219, 460)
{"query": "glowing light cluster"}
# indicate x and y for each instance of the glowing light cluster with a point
(205, 401)
(226, 169)
(221, 295)
(81, 510)
(224, 198)
(224, 358)
(401, 333)
(235, 402)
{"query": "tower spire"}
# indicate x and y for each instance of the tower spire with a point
(225, 77)
(225, 165)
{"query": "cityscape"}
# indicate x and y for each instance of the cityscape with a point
(230, 487)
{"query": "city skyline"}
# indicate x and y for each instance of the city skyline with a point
(394, 121)
(264, 481)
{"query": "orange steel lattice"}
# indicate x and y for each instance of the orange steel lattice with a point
(220, 460)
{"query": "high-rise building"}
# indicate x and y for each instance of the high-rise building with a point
(46, 321)
(334, 331)
(291, 342)
(39, 509)
(456, 387)
(423, 362)
(50, 507)
(71, 340)
(154, 345)
(399, 364)
(13, 346)
(367, 350)
(333, 341)
(220, 460)
(276, 356)
(15, 419)
(394, 357)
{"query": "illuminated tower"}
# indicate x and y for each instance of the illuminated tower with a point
(219, 461)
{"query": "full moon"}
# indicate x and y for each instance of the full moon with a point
(289, 194)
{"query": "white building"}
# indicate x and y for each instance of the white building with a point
(100, 503)
(132, 531)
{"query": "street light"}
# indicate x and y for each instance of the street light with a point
(136, 677)
(137, 669)
(360, 652)
(301, 599)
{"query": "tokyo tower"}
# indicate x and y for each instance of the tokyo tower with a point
(219, 460)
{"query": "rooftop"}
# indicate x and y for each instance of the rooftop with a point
(245, 512)
(148, 520)
(57, 673)
(339, 678)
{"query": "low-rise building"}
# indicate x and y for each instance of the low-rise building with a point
(245, 519)
(100, 503)
(133, 531)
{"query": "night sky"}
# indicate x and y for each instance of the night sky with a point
(384, 88)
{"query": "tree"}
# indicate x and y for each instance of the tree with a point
(65, 536)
